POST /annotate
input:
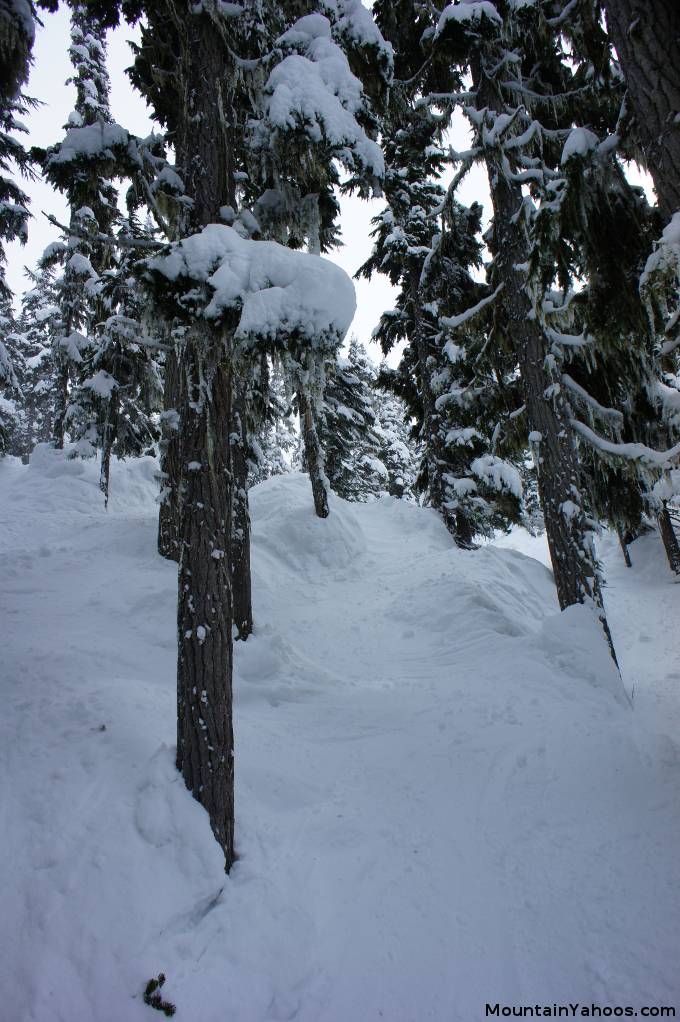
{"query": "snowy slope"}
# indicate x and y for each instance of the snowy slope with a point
(444, 794)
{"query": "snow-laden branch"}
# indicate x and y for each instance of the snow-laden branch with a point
(116, 241)
(631, 451)
(279, 292)
(611, 415)
(453, 322)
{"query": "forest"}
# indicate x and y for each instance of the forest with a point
(342, 686)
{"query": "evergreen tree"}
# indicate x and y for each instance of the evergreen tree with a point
(38, 324)
(119, 390)
(73, 167)
(274, 439)
(17, 32)
(206, 106)
(458, 387)
(11, 412)
(399, 453)
(349, 430)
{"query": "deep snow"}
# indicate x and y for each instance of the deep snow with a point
(444, 795)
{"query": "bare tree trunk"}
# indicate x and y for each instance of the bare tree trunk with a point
(240, 533)
(313, 456)
(646, 34)
(168, 511)
(568, 533)
(205, 752)
(107, 445)
(205, 744)
(669, 540)
(60, 405)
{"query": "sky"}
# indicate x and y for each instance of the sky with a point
(51, 69)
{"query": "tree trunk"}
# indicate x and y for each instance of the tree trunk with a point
(624, 546)
(240, 533)
(168, 511)
(205, 745)
(108, 436)
(313, 456)
(205, 752)
(646, 34)
(60, 405)
(568, 533)
(669, 540)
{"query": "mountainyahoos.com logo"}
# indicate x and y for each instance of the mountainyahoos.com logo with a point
(574, 1011)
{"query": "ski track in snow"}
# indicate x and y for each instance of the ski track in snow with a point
(444, 798)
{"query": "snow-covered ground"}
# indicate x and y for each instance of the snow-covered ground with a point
(445, 797)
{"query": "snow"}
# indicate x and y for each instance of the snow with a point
(465, 11)
(92, 141)
(102, 384)
(278, 290)
(445, 796)
(498, 474)
(315, 90)
(579, 142)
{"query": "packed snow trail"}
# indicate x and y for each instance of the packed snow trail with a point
(444, 797)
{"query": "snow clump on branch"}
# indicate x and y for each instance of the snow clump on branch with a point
(280, 292)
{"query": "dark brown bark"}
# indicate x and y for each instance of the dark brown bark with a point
(313, 456)
(205, 745)
(205, 753)
(168, 511)
(108, 435)
(646, 34)
(571, 553)
(669, 540)
(240, 532)
(60, 405)
(624, 546)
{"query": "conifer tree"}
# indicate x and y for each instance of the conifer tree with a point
(92, 204)
(38, 324)
(349, 428)
(274, 438)
(511, 53)
(119, 389)
(399, 453)
(457, 386)
(11, 417)
(17, 32)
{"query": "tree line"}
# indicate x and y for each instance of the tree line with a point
(188, 306)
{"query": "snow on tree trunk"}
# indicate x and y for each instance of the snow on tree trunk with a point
(205, 745)
(204, 611)
(240, 534)
(168, 512)
(313, 456)
(646, 35)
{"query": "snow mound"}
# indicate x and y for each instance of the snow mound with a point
(287, 531)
